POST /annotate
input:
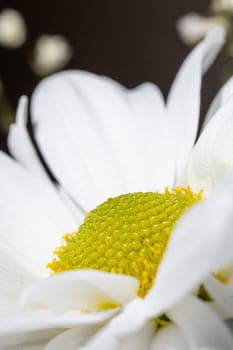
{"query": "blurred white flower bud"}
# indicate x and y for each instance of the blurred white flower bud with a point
(51, 53)
(193, 27)
(12, 28)
(222, 5)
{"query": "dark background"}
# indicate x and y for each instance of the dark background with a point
(129, 40)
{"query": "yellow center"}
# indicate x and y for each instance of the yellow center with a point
(126, 235)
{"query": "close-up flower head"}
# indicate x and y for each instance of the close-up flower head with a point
(116, 213)
(145, 215)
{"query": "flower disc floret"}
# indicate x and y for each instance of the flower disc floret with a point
(127, 235)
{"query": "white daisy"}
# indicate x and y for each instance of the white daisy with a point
(101, 140)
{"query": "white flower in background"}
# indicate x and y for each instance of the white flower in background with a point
(51, 52)
(102, 140)
(222, 5)
(12, 29)
(192, 27)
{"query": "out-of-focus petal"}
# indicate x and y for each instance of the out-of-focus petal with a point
(105, 339)
(222, 5)
(170, 337)
(211, 158)
(37, 326)
(73, 338)
(35, 346)
(201, 325)
(223, 94)
(222, 295)
(184, 97)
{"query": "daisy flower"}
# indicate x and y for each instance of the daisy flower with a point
(128, 160)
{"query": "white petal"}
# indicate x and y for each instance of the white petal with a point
(212, 158)
(201, 326)
(22, 149)
(169, 337)
(184, 97)
(139, 340)
(32, 216)
(146, 104)
(130, 322)
(100, 139)
(31, 327)
(222, 295)
(78, 212)
(87, 290)
(73, 338)
(106, 338)
(14, 275)
(20, 144)
(34, 346)
(223, 94)
(201, 242)
(37, 346)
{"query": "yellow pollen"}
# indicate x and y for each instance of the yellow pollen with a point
(125, 235)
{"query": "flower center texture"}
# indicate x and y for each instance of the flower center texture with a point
(127, 235)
